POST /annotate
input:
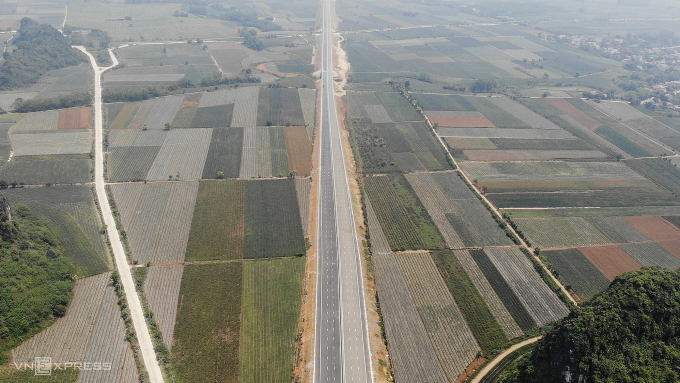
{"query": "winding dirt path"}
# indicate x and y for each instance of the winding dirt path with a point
(502, 356)
(122, 265)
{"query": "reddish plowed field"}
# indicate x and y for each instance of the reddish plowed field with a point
(654, 227)
(611, 260)
(75, 118)
(463, 122)
(672, 246)
(299, 149)
(188, 103)
(574, 112)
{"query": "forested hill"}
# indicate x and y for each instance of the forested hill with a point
(628, 333)
(41, 48)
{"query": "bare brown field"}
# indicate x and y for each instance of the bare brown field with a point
(75, 118)
(575, 113)
(520, 155)
(654, 227)
(611, 260)
(462, 122)
(299, 149)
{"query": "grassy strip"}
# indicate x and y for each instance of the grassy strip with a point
(484, 326)
(206, 339)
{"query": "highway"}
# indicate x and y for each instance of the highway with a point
(342, 352)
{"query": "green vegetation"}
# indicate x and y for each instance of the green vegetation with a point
(575, 269)
(61, 102)
(11, 374)
(628, 333)
(224, 154)
(616, 138)
(402, 216)
(41, 48)
(497, 372)
(41, 170)
(278, 153)
(218, 226)
(484, 326)
(218, 116)
(130, 163)
(503, 290)
(36, 278)
(279, 107)
(373, 154)
(206, 338)
(662, 172)
(272, 294)
(273, 226)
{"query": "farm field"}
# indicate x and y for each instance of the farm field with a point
(75, 118)
(53, 169)
(611, 260)
(577, 270)
(72, 215)
(32, 143)
(156, 218)
(560, 232)
(224, 153)
(299, 149)
(161, 289)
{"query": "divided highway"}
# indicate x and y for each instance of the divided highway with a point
(342, 352)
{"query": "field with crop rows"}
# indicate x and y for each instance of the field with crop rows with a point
(278, 152)
(224, 153)
(523, 114)
(444, 102)
(279, 107)
(272, 218)
(249, 154)
(308, 104)
(652, 254)
(411, 351)
(398, 107)
(299, 149)
(401, 214)
(63, 169)
(569, 171)
(654, 227)
(658, 131)
(218, 116)
(130, 163)
(611, 260)
(75, 118)
(541, 302)
(48, 120)
(210, 301)
(561, 232)
(161, 289)
(379, 244)
(270, 309)
(263, 150)
(574, 268)
(156, 218)
(141, 114)
(617, 229)
(46, 202)
(302, 188)
(658, 170)
(246, 107)
(452, 339)
(120, 138)
(163, 111)
(63, 142)
(182, 155)
(119, 115)
(11, 374)
(218, 225)
(629, 141)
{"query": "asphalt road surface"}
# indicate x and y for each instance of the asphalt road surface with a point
(342, 351)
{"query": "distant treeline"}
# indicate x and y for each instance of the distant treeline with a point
(40, 49)
(130, 95)
(68, 101)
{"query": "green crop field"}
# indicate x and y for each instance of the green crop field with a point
(443, 102)
(484, 326)
(401, 214)
(373, 154)
(218, 225)
(270, 309)
(273, 226)
(616, 137)
(278, 153)
(46, 201)
(561, 232)
(218, 116)
(279, 107)
(224, 154)
(53, 169)
(662, 172)
(574, 268)
(505, 293)
(15, 375)
(398, 107)
(207, 330)
(130, 163)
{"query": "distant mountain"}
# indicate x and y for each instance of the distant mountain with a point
(40, 49)
(628, 333)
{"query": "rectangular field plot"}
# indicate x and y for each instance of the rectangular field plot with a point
(119, 115)
(617, 229)
(444, 102)
(411, 350)
(270, 309)
(272, 220)
(218, 116)
(299, 149)
(156, 218)
(611, 260)
(519, 133)
(279, 107)
(549, 171)
(119, 138)
(245, 112)
(64, 142)
(41, 170)
(652, 254)
(130, 163)
(577, 270)
(163, 111)
(662, 172)
(450, 335)
(210, 296)
(415, 137)
(224, 153)
(162, 292)
(523, 155)
(398, 107)
(523, 113)
(561, 232)
(182, 155)
(654, 227)
(75, 118)
(630, 141)
(308, 103)
(401, 214)
(48, 120)
(141, 114)
(218, 226)
(535, 295)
